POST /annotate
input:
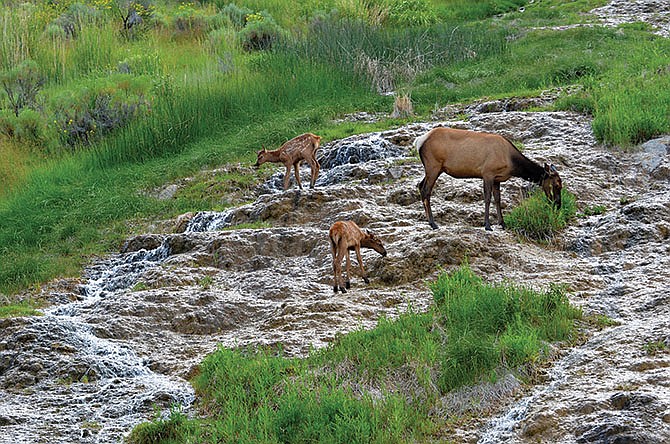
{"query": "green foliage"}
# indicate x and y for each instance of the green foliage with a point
(363, 388)
(536, 218)
(260, 33)
(12, 310)
(489, 325)
(169, 430)
(633, 110)
(21, 86)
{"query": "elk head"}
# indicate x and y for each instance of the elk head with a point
(261, 157)
(372, 241)
(552, 185)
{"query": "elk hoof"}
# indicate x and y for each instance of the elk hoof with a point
(335, 288)
(433, 225)
(367, 281)
(343, 290)
(488, 228)
(347, 284)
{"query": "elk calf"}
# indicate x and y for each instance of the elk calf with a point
(292, 153)
(344, 237)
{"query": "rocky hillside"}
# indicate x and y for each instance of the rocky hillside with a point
(126, 336)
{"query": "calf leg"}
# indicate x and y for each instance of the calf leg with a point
(347, 283)
(287, 177)
(296, 166)
(337, 269)
(364, 274)
(315, 167)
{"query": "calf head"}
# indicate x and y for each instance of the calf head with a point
(261, 157)
(372, 241)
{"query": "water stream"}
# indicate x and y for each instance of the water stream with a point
(118, 347)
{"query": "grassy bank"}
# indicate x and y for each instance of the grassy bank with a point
(119, 112)
(386, 385)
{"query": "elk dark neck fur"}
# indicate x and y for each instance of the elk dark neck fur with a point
(525, 168)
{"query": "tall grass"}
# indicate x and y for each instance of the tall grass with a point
(377, 386)
(536, 219)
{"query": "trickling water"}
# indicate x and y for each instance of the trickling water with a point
(128, 338)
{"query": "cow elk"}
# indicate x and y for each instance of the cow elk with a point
(291, 154)
(468, 154)
(346, 236)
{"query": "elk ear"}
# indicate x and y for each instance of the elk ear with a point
(553, 168)
(547, 168)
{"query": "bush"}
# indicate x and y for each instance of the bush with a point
(21, 85)
(30, 127)
(8, 122)
(85, 115)
(260, 33)
(190, 21)
(236, 16)
(536, 218)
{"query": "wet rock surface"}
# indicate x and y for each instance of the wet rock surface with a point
(121, 343)
(125, 339)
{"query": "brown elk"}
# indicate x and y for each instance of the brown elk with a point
(346, 236)
(292, 153)
(468, 154)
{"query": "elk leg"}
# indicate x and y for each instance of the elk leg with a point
(488, 186)
(347, 283)
(337, 265)
(315, 167)
(287, 177)
(360, 264)
(496, 196)
(296, 166)
(426, 188)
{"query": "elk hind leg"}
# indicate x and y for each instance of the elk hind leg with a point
(296, 166)
(426, 188)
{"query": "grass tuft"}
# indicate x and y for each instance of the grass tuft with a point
(536, 219)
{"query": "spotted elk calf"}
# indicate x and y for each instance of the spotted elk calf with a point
(291, 154)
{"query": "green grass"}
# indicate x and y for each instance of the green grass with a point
(377, 386)
(12, 310)
(209, 102)
(536, 219)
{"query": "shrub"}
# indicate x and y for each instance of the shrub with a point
(21, 85)
(260, 33)
(83, 116)
(30, 127)
(190, 21)
(236, 15)
(8, 122)
(536, 218)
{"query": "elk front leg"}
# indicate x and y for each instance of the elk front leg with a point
(496, 196)
(488, 186)
(287, 177)
(364, 274)
(347, 283)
